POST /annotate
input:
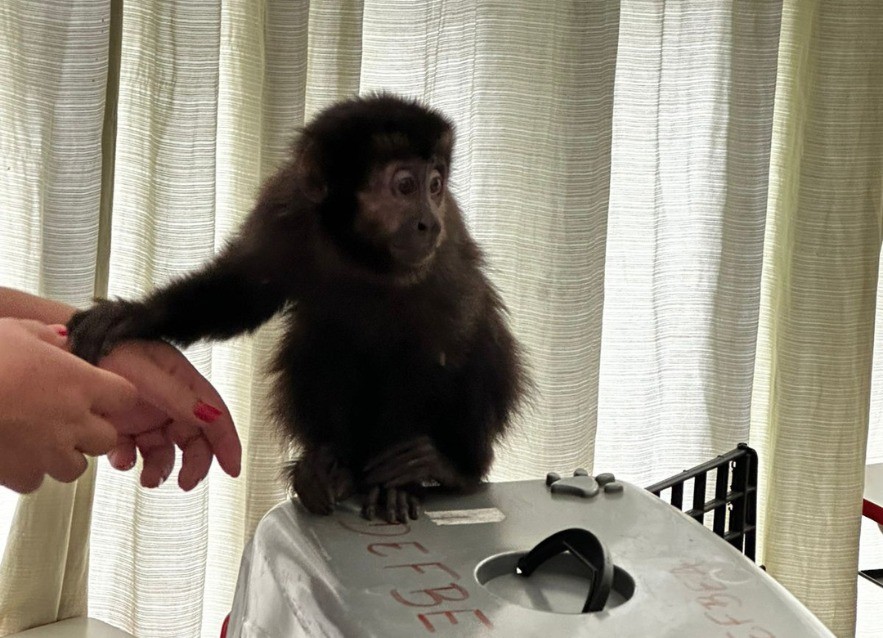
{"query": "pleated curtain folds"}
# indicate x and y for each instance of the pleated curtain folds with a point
(680, 203)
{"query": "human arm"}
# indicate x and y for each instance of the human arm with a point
(175, 404)
(54, 408)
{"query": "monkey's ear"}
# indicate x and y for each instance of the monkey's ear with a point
(445, 144)
(308, 172)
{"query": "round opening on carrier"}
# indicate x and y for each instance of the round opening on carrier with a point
(559, 586)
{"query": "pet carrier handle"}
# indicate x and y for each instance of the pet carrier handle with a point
(585, 547)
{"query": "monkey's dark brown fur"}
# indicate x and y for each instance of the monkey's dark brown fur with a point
(396, 366)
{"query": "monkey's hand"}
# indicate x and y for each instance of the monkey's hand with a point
(320, 481)
(399, 503)
(93, 333)
(414, 462)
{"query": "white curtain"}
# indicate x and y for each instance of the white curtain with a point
(613, 158)
(692, 125)
(53, 78)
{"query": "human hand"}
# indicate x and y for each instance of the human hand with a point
(176, 406)
(54, 407)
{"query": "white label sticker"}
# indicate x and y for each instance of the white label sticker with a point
(466, 517)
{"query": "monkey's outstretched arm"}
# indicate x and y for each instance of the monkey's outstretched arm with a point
(239, 290)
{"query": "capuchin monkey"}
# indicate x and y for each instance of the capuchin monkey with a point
(396, 369)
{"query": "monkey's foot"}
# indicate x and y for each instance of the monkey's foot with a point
(321, 481)
(399, 503)
(417, 461)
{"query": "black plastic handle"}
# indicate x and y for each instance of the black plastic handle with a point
(587, 548)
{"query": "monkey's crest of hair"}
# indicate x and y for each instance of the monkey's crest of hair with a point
(335, 150)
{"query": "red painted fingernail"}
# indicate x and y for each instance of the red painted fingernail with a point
(205, 412)
(61, 330)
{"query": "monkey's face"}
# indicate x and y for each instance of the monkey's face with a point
(374, 171)
(401, 212)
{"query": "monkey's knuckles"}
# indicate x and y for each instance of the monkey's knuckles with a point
(314, 499)
(92, 333)
(392, 504)
(418, 455)
(424, 465)
(311, 488)
(369, 504)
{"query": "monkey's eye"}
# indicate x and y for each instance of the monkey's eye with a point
(405, 183)
(435, 184)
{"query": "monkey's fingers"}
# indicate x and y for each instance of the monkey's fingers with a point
(324, 457)
(415, 476)
(322, 467)
(401, 454)
(343, 484)
(313, 498)
(311, 489)
(420, 463)
(392, 505)
(403, 506)
(405, 447)
(86, 336)
(413, 506)
(94, 332)
(433, 468)
(369, 505)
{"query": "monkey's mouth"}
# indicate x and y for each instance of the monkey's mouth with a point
(410, 256)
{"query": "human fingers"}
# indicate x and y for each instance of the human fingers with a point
(224, 442)
(196, 455)
(65, 465)
(166, 379)
(161, 383)
(214, 419)
(158, 454)
(123, 456)
(94, 436)
(111, 393)
(142, 418)
(55, 334)
(21, 477)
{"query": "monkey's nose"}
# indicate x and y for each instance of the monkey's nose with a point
(428, 227)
